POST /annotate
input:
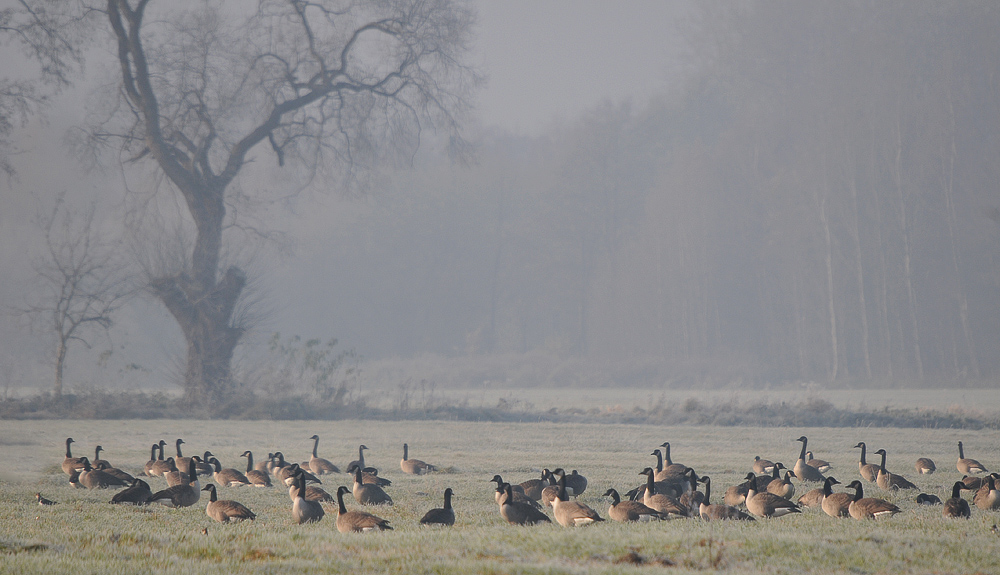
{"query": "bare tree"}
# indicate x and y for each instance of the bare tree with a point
(81, 282)
(332, 87)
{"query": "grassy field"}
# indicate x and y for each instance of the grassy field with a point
(83, 533)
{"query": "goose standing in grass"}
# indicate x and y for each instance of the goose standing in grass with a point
(138, 494)
(862, 507)
(956, 506)
(368, 493)
(710, 512)
(98, 462)
(517, 513)
(925, 466)
(572, 513)
(177, 477)
(184, 495)
(761, 466)
(304, 510)
(357, 521)
(669, 467)
(887, 480)
(500, 482)
(360, 461)
(869, 471)
(317, 464)
(518, 496)
(768, 504)
(441, 515)
(204, 465)
(835, 504)
(147, 469)
(630, 510)
(821, 464)
(414, 466)
(179, 460)
(692, 498)
(162, 466)
(225, 510)
(987, 497)
(660, 501)
(964, 465)
(313, 493)
(228, 477)
(803, 470)
(70, 463)
(255, 476)
(95, 479)
(43, 501)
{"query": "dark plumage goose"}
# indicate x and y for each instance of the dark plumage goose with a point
(576, 484)
(660, 501)
(835, 504)
(803, 470)
(138, 494)
(224, 510)
(625, 511)
(254, 475)
(929, 498)
(572, 513)
(303, 510)
(711, 512)
(987, 497)
(956, 506)
(95, 479)
(520, 513)
(767, 504)
(43, 501)
(762, 465)
(964, 465)
(204, 465)
(356, 521)
(441, 515)
(869, 471)
(887, 480)
(106, 468)
(925, 466)
(287, 473)
(369, 494)
(317, 464)
(313, 493)
(862, 507)
(178, 477)
(228, 477)
(414, 466)
(70, 463)
(184, 495)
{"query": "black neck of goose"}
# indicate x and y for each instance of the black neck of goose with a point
(315, 446)
(509, 493)
(827, 487)
(649, 484)
(361, 458)
(859, 492)
(666, 454)
(863, 462)
(357, 475)
(881, 466)
(562, 488)
(406, 452)
(615, 498)
(802, 454)
(211, 494)
(281, 458)
(708, 489)
(152, 453)
(179, 442)
(447, 499)
(192, 472)
(215, 463)
(776, 472)
(69, 454)
(340, 499)
(961, 451)
(788, 477)
(249, 461)
(956, 490)
(160, 445)
(97, 452)
(659, 460)
(991, 483)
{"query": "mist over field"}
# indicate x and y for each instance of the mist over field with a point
(705, 195)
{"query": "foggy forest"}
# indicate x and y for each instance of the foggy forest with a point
(814, 199)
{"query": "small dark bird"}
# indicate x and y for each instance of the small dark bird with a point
(43, 501)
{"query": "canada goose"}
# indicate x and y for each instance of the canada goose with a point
(549, 494)
(782, 487)
(360, 461)
(138, 494)
(692, 498)
(572, 513)
(204, 465)
(225, 510)
(576, 483)
(273, 462)
(286, 474)
(987, 497)
(930, 499)
(114, 472)
(822, 465)
(147, 469)
(43, 501)
(304, 510)
(862, 507)
(737, 494)
(835, 504)
(414, 466)
(869, 471)
(711, 512)
(804, 471)
(70, 463)
(517, 513)
(499, 481)
(228, 477)
(762, 481)
(669, 467)
(184, 495)
(317, 464)
(762, 465)
(356, 521)
(965, 466)
(370, 475)
(179, 460)
(74, 480)
(441, 515)
(925, 466)
(812, 498)
(660, 501)
(533, 487)
(518, 496)
(956, 506)
(369, 494)
(255, 476)
(973, 483)
(768, 504)
(265, 465)
(98, 462)
(95, 479)
(630, 510)
(887, 480)
(178, 477)
(554, 482)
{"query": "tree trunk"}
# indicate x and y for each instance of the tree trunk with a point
(60, 362)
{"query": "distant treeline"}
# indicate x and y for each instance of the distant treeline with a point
(819, 201)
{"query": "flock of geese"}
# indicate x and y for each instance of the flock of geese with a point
(669, 490)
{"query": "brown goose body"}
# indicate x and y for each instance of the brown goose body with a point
(811, 498)
(670, 469)
(99, 463)
(768, 504)
(176, 477)
(255, 475)
(114, 471)
(441, 515)
(869, 471)
(890, 481)
(987, 497)
(803, 470)
(414, 466)
(625, 511)
(184, 495)
(783, 487)
(737, 494)
(762, 465)
(862, 507)
(576, 484)
(520, 513)
(225, 510)
(515, 496)
(357, 521)
(71, 464)
(710, 512)
(956, 506)
(147, 469)
(138, 494)
(533, 487)
(228, 477)
(95, 479)
(965, 465)
(369, 494)
(660, 501)
(572, 513)
(821, 464)
(304, 510)
(925, 466)
(317, 464)
(179, 460)
(835, 504)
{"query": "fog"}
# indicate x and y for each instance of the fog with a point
(731, 194)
